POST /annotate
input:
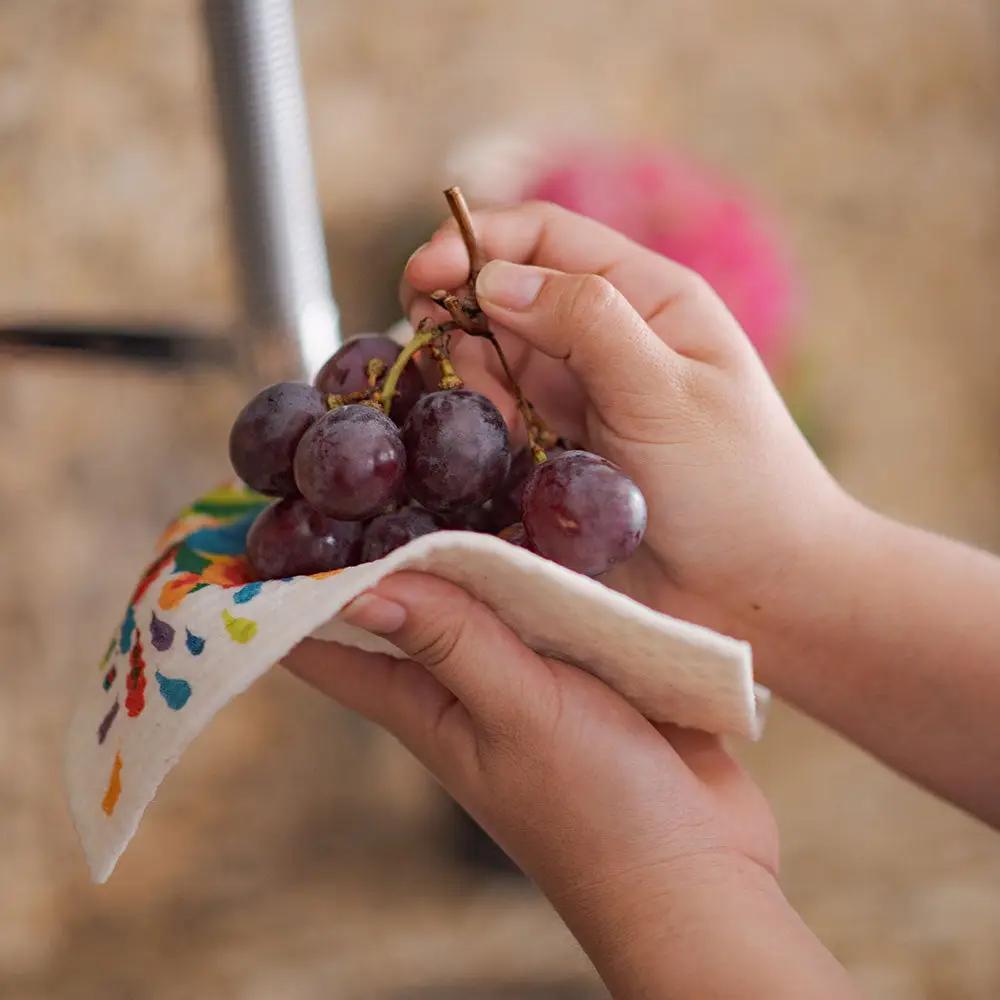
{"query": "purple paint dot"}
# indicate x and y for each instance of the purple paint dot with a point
(161, 634)
(102, 729)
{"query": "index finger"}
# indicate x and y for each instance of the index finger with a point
(549, 236)
(673, 300)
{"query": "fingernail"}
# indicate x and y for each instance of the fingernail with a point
(511, 286)
(374, 614)
(416, 253)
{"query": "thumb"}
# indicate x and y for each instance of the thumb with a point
(626, 370)
(506, 687)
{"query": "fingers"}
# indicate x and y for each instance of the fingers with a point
(537, 233)
(398, 695)
(676, 303)
(628, 373)
(505, 687)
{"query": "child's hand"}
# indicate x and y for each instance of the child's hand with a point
(634, 357)
(652, 843)
(747, 531)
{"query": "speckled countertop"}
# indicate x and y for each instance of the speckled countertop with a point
(296, 853)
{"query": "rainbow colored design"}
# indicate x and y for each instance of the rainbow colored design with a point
(204, 547)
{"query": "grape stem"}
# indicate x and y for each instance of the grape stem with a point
(374, 371)
(333, 401)
(460, 209)
(422, 336)
(467, 314)
(450, 379)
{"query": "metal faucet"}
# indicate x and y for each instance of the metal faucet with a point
(291, 318)
(289, 323)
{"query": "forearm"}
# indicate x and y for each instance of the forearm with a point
(893, 637)
(714, 928)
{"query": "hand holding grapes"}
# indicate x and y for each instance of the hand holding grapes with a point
(636, 358)
(748, 533)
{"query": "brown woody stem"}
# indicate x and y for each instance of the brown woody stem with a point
(532, 423)
(471, 319)
(460, 209)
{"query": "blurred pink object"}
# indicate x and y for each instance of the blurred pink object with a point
(683, 211)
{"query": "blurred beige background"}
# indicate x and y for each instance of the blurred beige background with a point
(294, 853)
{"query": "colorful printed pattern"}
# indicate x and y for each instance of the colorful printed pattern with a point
(204, 547)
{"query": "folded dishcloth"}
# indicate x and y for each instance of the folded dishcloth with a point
(198, 630)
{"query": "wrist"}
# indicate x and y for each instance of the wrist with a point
(822, 574)
(713, 923)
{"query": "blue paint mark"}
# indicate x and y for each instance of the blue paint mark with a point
(161, 634)
(223, 540)
(128, 627)
(247, 592)
(174, 690)
(194, 643)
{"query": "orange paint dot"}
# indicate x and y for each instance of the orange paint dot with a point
(228, 571)
(326, 574)
(110, 799)
(176, 589)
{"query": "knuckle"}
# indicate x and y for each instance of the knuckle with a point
(541, 207)
(695, 286)
(589, 300)
(436, 642)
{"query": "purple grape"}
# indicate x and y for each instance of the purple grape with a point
(471, 519)
(389, 531)
(290, 537)
(350, 464)
(457, 453)
(267, 431)
(345, 372)
(583, 512)
(506, 504)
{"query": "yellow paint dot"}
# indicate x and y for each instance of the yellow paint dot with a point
(239, 629)
(110, 799)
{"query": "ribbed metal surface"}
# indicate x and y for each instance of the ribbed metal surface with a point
(291, 322)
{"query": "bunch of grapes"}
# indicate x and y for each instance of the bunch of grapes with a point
(368, 458)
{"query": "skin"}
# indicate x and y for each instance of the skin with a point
(654, 847)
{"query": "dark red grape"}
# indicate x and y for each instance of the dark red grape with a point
(345, 372)
(583, 512)
(389, 531)
(350, 464)
(470, 519)
(506, 504)
(516, 535)
(457, 453)
(267, 431)
(290, 537)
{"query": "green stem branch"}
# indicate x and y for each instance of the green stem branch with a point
(421, 338)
